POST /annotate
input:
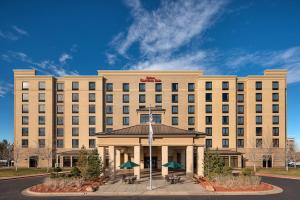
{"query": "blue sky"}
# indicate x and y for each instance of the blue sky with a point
(79, 37)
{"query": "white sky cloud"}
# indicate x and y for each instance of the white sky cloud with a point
(15, 34)
(65, 57)
(5, 88)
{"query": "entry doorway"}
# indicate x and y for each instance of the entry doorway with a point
(267, 161)
(33, 161)
(147, 162)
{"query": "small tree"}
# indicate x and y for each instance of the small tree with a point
(213, 164)
(95, 166)
(82, 161)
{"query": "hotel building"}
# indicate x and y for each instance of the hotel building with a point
(242, 118)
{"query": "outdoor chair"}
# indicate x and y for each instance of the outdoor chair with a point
(124, 180)
(167, 178)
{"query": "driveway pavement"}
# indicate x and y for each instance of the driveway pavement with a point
(11, 190)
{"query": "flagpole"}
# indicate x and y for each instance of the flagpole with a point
(150, 152)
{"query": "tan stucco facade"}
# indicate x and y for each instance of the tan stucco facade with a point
(198, 116)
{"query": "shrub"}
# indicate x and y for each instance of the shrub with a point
(213, 164)
(75, 172)
(227, 170)
(94, 168)
(247, 172)
(82, 161)
(57, 169)
(229, 181)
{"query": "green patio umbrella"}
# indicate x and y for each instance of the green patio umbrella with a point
(173, 165)
(128, 165)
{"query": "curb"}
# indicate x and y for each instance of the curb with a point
(19, 177)
(27, 192)
(277, 176)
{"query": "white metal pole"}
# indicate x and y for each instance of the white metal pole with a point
(150, 153)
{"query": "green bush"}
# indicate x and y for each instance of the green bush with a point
(247, 172)
(227, 170)
(213, 164)
(57, 169)
(75, 172)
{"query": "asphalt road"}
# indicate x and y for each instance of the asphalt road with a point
(11, 189)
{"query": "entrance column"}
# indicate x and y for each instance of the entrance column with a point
(182, 158)
(189, 160)
(118, 158)
(111, 154)
(137, 160)
(101, 153)
(239, 161)
(164, 160)
(125, 157)
(200, 161)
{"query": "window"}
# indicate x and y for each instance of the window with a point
(258, 108)
(125, 98)
(225, 131)
(92, 108)
(225, 97)
(158, 87)
(92, 131)
(41, 143)
(109, 121)
(174, 109)
(240, 132)
(125, 109)
(24, 143)
(75, 86)
(42, 131)
(59, 86)
(174, 87)
(191, 109)
(275, 108)
(109, 87)
(258, 85)
(42, 97)
(75, 97)
(208, 131)
(240, 109)
(158, 98)
(75, 143)
(92, 86)
(109, 98)
(275, 119)
(208, 108)
(142, 87)
(125, 87)
(142, 98)
(125, 121)
(208, 120)
(225, 108)
(191, 98)
(258, 131)
(276, 143)
(25, 120)
(60, 109)
(92, 143)
(60, 132)
(42, 85)
(275, 97)
(92, 120)
(240, 120)
(75, 131)
(240, 143)
(275, 131)
(60, 120)
(191, 87)
(41, 108)
(225, 143)
(60, 143)
(174, 98)
(240, 86)
(208, 85)
(25, 97)
(24, 131)
(258, 97)
(258, 119)
(208, 97)
(92, 97)
(75, 120)
(191, 120)
(42, 120)
(225, 85)
(208, 143)
(60, 98)
(24, 108)
(240, 98)
(275, 85)
(258, 143)
(25, 85)
(144, 118)
(225, 120)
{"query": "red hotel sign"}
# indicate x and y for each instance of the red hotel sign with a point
(150, 79)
